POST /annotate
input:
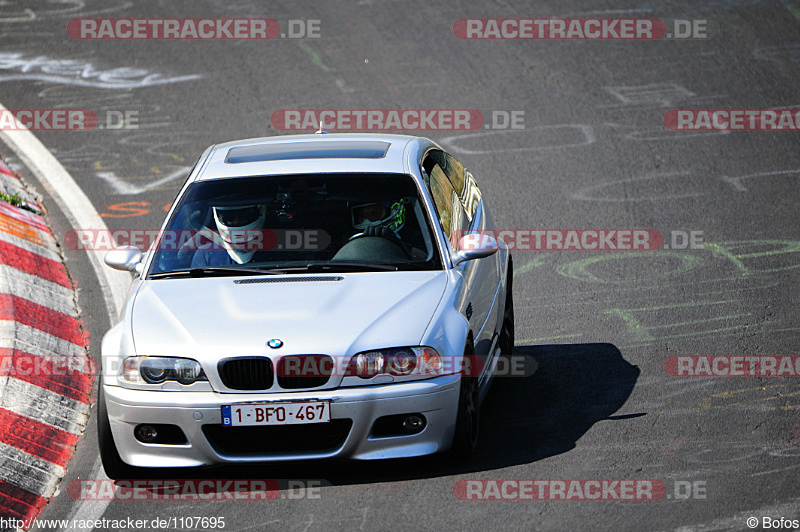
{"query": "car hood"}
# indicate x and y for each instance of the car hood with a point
(339, 314)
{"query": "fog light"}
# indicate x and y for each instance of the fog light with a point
(413, 423)
(399, 425)
(160, 433)
(145, 433)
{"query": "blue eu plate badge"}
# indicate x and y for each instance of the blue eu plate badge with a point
(226, 416)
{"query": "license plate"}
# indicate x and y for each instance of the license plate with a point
(295, 413)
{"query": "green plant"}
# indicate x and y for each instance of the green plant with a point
(17, 201)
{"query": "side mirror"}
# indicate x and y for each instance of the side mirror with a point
(474, 246)
(126, 258)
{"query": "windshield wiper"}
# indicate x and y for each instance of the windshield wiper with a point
(337, 266)
(416, 266)
(210, 271)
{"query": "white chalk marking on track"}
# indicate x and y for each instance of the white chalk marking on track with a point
(585, 133)
(125, 188)
(74, 203)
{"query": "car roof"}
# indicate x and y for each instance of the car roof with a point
(318, 153)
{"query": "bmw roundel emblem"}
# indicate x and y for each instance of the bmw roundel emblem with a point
(275, 343)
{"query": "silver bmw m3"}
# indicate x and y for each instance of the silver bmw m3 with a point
(308, 297)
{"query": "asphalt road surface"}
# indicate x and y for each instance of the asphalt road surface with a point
(589, 150)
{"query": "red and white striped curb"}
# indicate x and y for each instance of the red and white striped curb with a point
(46, 375)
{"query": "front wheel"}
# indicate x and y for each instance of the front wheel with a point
(465, 441)
(113, 465)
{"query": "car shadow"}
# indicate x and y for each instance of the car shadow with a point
(523, 419)
(545, 414)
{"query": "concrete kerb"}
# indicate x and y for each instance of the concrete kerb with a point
(46, 374)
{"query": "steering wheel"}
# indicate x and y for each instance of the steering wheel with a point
(388, 234)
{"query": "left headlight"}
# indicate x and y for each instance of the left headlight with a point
(155, 370)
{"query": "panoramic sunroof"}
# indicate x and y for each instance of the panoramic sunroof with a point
(307, 150)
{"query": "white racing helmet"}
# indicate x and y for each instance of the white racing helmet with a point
(238, 226)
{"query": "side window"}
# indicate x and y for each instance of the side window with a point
(471, 197)
(448, 205)
(442, 193)
(464, 184)
(455, 173)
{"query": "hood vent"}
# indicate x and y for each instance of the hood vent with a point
(297, 279)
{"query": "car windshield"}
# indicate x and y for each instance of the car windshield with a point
(320, 222)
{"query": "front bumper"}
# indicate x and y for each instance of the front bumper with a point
(436, 399)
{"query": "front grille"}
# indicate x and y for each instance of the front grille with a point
(314, 437)
(304, 371)
(246, 373)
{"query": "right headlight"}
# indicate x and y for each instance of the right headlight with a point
(402, 363)
(156, 370)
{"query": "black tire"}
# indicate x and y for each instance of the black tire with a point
(507, 332)
(113, 465)
(465, 440)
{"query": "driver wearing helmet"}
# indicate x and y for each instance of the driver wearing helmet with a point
(379, 219)
(239, 236)
(388, 220)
